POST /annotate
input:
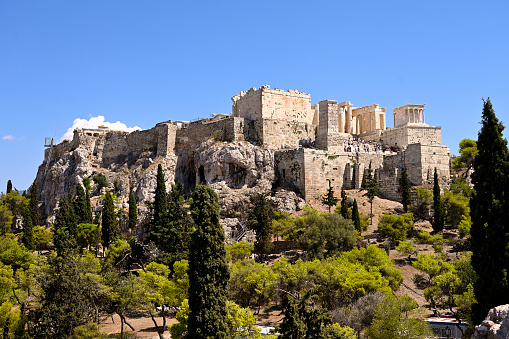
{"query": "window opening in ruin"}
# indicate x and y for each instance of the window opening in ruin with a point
(284, 173)
(201, 173)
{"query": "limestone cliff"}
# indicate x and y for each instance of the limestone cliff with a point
(234, 169)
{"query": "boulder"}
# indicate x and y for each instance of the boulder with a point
(495, 325)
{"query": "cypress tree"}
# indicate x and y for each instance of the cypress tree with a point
(65, 227)
(82, 206)
(404, 187)
(260, 220)
(28, 231)
(208, 269)
(88, 205)
(179, 226)
(133, 212)
(356, 218)
(9, 186)
(489, 211)
(160, 205)
(33, 205)
(344, 203)
(438, 215)
(110, 229)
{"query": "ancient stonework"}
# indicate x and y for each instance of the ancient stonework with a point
(273, 141)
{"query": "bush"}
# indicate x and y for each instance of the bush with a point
(456, 205)
(464, 226)
(424, 202)
(395, 226)
(100, 180)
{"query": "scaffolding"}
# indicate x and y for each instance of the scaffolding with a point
(48, 142)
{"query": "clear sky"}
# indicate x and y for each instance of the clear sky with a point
(143, 62)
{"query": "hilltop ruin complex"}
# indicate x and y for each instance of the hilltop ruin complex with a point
(271, 135)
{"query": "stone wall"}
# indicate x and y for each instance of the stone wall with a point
(281, 133)
(420, 162)
(275, 103)
(404, 136)
(307, 171)
(192, 134)
(289, 170)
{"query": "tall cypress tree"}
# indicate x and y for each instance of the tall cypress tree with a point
(9, 186)
(208, 269)
(438, 210)
(88, 205)
(490, 214)
(344, 203)
(260, 220)
(65, 226)
(356, 218)
(33, 204)
(82, 206)
(28, 231)
(110, 229)
(133, 212)
(160, 205)
(404, 187)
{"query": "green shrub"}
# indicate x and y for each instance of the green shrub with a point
(395, 226)
(100, 180)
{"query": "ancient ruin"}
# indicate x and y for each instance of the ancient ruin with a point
(273, 140)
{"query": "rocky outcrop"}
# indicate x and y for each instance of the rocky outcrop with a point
(235, 170)
(495, 326)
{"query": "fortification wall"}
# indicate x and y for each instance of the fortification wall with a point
(404, 136)
(420, 162)
(166, 139)
(342, 168)
(275, 103)
(228, 129)
(287, 105)
(289, 170)
(281, 133)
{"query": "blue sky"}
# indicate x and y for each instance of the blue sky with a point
(145, 62)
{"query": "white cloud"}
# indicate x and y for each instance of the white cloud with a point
(95, 122)
(8, 137)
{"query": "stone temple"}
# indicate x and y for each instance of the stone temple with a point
(308, 145)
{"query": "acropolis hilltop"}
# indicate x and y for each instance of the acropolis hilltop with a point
(303, 146)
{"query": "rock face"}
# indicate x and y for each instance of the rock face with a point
(235, 170)
(495, 326)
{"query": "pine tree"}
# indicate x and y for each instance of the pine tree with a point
(33, 205)
(372, 190)
(489, 211)
(438, 215)
(82, 206)
(208, 269)
(329, 199)
(28, 231)
(344, 203)
(356, 218)
(404, 187)
(133, 212)
(9, 186)
(110, 229)
(260, 220)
